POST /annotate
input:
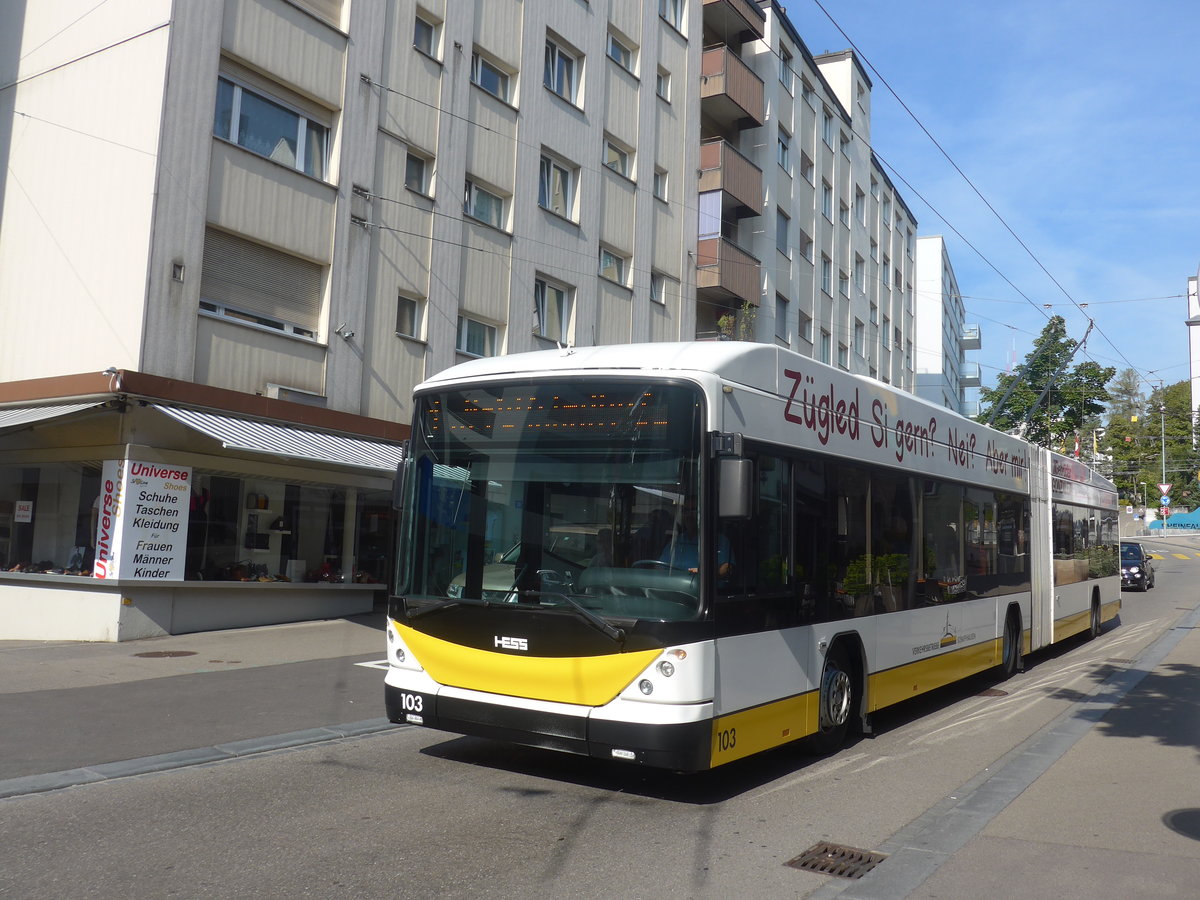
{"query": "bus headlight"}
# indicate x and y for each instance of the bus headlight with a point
(666, 668)
(646, 686)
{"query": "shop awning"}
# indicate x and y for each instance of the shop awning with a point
(16, 417)
(283, 440)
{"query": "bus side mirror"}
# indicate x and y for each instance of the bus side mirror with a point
(735, 477)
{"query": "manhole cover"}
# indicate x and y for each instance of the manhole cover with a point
(835, 859)
(993, 692)
(164, 654)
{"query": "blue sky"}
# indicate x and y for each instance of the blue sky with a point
(1078, 122)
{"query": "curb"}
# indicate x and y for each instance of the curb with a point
(144, 765)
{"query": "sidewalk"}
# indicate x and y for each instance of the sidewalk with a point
(77, 713)
(1104, 803)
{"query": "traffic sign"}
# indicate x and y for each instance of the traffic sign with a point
(1164, 488)
(1164, 500)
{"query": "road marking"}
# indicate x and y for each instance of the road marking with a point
(374, 664)
(1180, 556)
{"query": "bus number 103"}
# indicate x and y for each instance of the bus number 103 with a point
(726, 739)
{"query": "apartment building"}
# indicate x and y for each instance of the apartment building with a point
(834, 242)
(943, 373)
(236, 234)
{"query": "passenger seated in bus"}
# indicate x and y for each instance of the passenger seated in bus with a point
(682, 551)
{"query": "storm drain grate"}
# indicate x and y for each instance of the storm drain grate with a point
(834, 859)
(164, 654)
(993, 692)
(1123, 662)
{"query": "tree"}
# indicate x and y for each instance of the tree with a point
(1076, 395)
(1150, 434)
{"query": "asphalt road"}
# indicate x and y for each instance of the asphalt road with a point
(413, 813)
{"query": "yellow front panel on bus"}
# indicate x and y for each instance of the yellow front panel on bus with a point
(581, 680)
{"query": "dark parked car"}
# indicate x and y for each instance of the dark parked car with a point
(1137, 569)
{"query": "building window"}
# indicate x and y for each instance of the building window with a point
(781, 318)
(558, 72)
(270, 129)
(844, 143)
(257, 285)
(416, 173)
(887, 213)
(860, 273)
(806, 246)
(806, 167)
(807, 93)
(826, 274)
(671, 12)
(860, 338)
(827, 200)
(843, 283)
(908, 242)
(619, 53)
(612, 266)
(476, 338)
(785, 68)
(556, 187)
(660, 183)
(884, 328)
(783, 153)
(408, 321)
(489, 76)
(826, 347)
(844, 214)
(874, 315)
(616, 157)
(782, 222)
(483, 205)
(662, 84)
(860, 205)
(658, 288)
(425, 35)
(874, 250)
(887, 271)
(896, 338)
(843, 356)
(875, 188)
(804, 320)
(827, 127)
(552, 310)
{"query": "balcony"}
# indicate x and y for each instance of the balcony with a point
(723, 168)
(726, 270)
(736, 21)
(970, 337)
(730, 93)
(970, 408)
(968, 375)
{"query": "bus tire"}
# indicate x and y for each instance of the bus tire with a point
(1094, 619)
(836, 703)
(1010, 649)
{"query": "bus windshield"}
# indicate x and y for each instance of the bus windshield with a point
(556, 494)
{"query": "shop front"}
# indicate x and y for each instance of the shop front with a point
(150, 509)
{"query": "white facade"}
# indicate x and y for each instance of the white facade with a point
(837, 239)
(943, 374)
(339, 267)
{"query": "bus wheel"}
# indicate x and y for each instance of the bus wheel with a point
(836, 703)
(1010, 653)
(1094, 620)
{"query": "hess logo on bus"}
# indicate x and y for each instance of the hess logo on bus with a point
(512, 643)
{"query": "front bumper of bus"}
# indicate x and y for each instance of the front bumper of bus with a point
(681, 746)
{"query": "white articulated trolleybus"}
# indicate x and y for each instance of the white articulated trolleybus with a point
(683, 554)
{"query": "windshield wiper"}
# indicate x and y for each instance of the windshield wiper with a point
(610, 631)
(436, 606)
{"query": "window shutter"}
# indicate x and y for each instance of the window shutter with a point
(260, 280)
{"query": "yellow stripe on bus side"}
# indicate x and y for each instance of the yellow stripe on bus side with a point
(763, 727)
(893, 685)
(1073, 624)
(581, 680)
